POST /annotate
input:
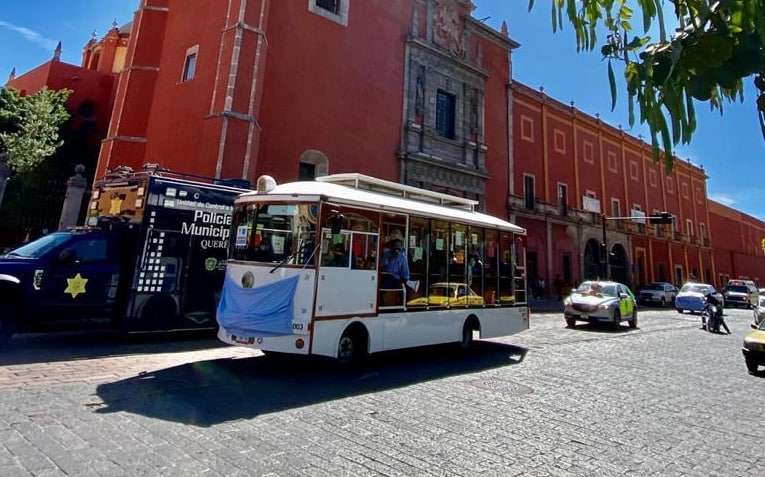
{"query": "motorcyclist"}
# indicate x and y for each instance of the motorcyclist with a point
(714, 302)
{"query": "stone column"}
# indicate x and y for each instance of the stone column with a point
(75, 191)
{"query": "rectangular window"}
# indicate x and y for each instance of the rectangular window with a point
(616, 211)
(563, 199)
(528, 192)
(657, 228)
(329, 5)
(334, 10)
(445, 108)
(190, 65)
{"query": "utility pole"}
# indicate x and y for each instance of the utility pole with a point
(604, 248)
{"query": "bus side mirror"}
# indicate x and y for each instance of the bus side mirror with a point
(337, 223)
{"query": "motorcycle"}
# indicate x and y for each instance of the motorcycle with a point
(711, 318)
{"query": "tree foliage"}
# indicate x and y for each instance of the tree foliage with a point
(29, 126)
(714, 46)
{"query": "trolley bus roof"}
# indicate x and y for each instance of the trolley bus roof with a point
(348, 195)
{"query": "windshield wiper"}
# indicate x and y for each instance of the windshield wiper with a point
(285, 260)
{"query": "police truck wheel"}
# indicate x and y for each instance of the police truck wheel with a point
(7, 322)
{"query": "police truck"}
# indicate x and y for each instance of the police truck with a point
(151, 257)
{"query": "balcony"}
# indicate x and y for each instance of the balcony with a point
(519, 203)
(692, 239)
(676, 235)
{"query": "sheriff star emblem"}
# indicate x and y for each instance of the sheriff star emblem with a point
(76, 285)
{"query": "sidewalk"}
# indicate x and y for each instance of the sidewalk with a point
(545, 304)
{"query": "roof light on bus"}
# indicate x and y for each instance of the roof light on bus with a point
(266, 184)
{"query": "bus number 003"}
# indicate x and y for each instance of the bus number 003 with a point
(297, 326)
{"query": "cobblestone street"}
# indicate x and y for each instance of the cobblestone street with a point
(665, 399)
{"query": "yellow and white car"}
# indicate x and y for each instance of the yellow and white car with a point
(754, 347)
(601, 302)
(448, 294)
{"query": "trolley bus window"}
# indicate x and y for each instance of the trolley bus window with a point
(273, 233)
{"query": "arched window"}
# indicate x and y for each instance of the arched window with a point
(313, 164)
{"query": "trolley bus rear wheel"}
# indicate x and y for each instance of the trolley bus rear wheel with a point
(351, 348)
(467, 341)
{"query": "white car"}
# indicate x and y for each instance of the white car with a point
(658, 293)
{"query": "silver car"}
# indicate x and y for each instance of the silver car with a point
(601, 302)
(759, 310)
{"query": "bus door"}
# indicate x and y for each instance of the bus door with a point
(347, 277)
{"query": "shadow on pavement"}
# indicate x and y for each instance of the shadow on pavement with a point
(71, 345)
(210, 392)
(601, 327)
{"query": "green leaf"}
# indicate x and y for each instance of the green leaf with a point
(612, 84)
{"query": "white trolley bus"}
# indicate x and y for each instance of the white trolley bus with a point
(304, 269)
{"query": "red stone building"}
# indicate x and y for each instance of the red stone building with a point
(415, 91)
(739, 244)
(407, 90)
(570, 169)
(410, 90)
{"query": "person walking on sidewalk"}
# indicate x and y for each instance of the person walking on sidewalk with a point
(558, 285)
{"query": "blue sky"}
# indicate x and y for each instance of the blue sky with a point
(729, 147)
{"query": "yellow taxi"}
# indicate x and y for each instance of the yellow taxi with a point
(448, 294)
(754, 347)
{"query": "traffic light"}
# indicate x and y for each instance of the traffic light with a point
(662, 218)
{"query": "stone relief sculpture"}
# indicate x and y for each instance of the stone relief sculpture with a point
(473, 113)
(448, 29)
(419, 99)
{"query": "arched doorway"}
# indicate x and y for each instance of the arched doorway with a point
(618, 259)
(591, 260)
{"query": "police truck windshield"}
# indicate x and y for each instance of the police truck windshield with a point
(41, 246)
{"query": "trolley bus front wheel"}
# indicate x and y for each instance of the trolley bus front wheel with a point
(352, 347)
(471, 325)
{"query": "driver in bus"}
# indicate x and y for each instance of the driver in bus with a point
(395, 266)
